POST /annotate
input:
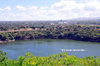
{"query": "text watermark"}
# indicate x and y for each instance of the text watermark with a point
(72, 50)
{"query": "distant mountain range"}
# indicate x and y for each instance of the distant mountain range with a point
(87, 18)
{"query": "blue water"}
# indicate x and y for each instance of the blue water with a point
(46, 47)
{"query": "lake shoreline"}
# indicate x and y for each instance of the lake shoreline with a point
(1, 42)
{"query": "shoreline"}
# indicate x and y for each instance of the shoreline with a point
(1, 42)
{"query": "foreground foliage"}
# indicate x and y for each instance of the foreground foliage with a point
(53, 60)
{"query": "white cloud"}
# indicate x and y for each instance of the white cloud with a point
(60, 10)
(63, 4)
(32, 7)
(89, 8)
(92, 6)
(33, 13)
(94, 14)
(52, 12)
(76, 10)
(58, 5)
(1, 9)
(18, 16)
(7, 8)
(89, 0)
(21, 8)
(42, 11)
(86, 0)
(2, 14)
(42, 7)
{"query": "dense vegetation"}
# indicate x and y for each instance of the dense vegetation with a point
(16, 25)
(76, 32)
(53, 60)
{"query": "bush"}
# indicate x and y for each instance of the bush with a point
(53, 60)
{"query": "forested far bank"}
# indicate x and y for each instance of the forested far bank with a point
(76, 32)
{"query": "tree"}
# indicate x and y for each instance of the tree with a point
(3, 56)
(33, 27)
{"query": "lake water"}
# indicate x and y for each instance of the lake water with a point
(46, 47)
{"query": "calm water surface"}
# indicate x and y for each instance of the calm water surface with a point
(46, 47)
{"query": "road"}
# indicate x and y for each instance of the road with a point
(15, 31)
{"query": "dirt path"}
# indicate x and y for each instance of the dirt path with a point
(15, 31)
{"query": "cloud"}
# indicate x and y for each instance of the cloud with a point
(21, 8)
(32, 7)
(76, 10)
(89, 0)
(68, 9)
(89, 8)
(52, 12)
(1, 9)
(33, 13)
(92, 6)
(7, 8)
(58, 5)
(94, 14)
(18, 16)
(62, 4)
(42, 7)
(86, 0)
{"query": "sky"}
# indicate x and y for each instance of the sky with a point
(25, 10)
